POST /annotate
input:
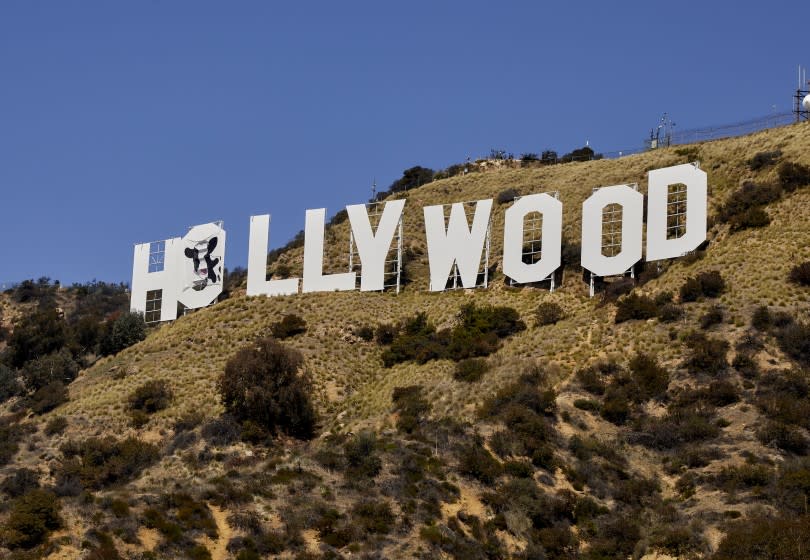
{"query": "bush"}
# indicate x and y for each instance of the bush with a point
(48, 397)
(56, 425)
(476, 333)
(549, 313)
(784, 538)
(794, 340)
(800, 274)
(361, 456)
(150, 397)
(373, 517)
(96, 463)
(10, 386)
(761, 318)
(709, 284)
(33, 515)
(783, 436)
(793, 176)
(411, 407)
(470, 370)
(749, 197)
(38, 334)
(263, 383)
(714, 316)
(763, 159)
(649, 378)
(506, 196)
(635, 306)
(365, 333)
(476, 462)
(751, 218)
(55, 367)
(411, 178)
(147, 399)
(19, 482)
(708, 355)
(10, 436)
(288, 326)
(128, 329)
(669, 312)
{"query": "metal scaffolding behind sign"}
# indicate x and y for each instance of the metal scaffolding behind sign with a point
(392, 277)
(482, 279)
(532, 250)
(612, 234)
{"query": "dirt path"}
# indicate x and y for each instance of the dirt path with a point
(219, 548)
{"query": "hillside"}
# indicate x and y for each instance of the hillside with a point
(601, 470)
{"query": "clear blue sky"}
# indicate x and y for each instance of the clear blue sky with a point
(125, 122)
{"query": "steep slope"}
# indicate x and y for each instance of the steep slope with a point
(600, 460)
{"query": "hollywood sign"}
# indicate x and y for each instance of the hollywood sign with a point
(187, 273)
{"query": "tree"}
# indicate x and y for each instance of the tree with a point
(36, 335)
(264, 384)
(126, 330)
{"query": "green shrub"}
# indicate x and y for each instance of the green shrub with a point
(783, 436)
(616, 406)
(549, 313)
(751, 218)
(793, 176)
(289, 326)
(709, 284)
(373, 517)
(649, 378)
(763, 159)
(263, 383)
(361, 456)
(635, 306)
(690, 290)
(56, 425)
(126, 330)
(48, 397)
(743, 477)
(57, 367)
(587, 404)
(411, 407)
(19, 482)
(476, 462)
(506, 196)
(150, 397)
(470, 370)
(476, 333)
(707, 355)
(748, 197)
(10, 385)
(794, 340)
(591, 380)
(33, 516)
(519, 469)
(669, 312)
(364, 332)
(96, 463)
(761, 318)
(800, 274)
(714, 316)
(784, 538)
(37, 334)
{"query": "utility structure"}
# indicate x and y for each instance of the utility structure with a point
(801, 99)
(661, 136)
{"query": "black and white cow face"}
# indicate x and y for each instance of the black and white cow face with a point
(203, 264)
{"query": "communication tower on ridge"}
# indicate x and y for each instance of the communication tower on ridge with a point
(661, 136)
(801, 99)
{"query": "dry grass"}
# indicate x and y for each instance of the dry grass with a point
(347, 372)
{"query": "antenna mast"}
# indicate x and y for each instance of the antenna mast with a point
(801, 99)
